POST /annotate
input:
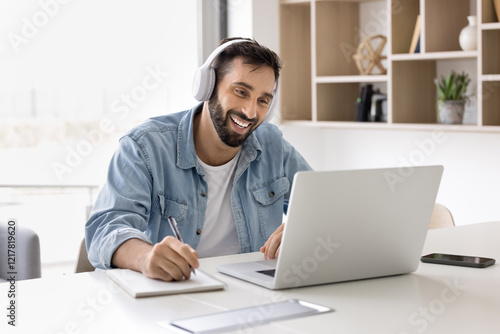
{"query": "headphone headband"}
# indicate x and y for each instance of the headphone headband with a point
(218, 50)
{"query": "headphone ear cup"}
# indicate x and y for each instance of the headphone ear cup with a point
(203, 83)
(204, 77)
(270, 112)
(199, 83)
(195, 89)
(274, 103)
(210, 84)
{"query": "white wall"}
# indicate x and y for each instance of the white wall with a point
(471, 179)
(255, 19)
(239, 18)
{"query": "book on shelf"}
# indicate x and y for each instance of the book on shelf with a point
(415, 41)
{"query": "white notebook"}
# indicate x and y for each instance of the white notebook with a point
(137, 285)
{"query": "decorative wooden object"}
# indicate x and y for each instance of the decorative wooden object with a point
(368, 55)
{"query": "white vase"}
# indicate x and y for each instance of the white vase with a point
(468, 35)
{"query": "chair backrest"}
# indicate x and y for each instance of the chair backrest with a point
(441, 217)
(24, 255)
(82, 263)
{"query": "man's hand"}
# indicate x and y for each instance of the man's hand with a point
(271, 248)
(168, 260)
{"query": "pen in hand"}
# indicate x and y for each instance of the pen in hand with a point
(173, 225)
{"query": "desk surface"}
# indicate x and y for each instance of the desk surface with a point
(434, 299)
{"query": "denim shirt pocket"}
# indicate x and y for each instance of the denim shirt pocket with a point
(269, 193)
(269, 196)
(172, 208)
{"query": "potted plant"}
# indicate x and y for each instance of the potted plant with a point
(451, 97)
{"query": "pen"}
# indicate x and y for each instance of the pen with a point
(173, 225)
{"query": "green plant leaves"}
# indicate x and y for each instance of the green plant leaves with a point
(452, 88)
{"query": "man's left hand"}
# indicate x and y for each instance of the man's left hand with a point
(271, 248)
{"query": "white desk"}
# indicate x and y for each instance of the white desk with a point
(434, 299)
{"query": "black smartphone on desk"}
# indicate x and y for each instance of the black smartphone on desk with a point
(458, 260)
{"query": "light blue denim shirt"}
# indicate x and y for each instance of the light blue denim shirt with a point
(155, 174)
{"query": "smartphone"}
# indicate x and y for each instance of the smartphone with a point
(458, 260)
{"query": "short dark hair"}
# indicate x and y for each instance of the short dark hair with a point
(252, 52)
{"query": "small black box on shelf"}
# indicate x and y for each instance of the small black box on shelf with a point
(364, 103)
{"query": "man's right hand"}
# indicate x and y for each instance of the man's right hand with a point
(168, 260)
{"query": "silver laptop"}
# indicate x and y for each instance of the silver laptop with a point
(349, 225)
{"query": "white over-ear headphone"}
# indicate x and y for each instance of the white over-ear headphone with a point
(204, 79)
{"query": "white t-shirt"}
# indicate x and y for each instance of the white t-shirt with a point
(219, 236)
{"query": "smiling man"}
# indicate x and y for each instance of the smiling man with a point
(221, 170)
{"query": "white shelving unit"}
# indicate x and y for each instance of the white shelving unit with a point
(320, 81)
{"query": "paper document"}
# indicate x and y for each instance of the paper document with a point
(241, 320)
(137, 285)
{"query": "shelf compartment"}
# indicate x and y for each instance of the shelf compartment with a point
(336, 101)
(403, 16)
(491, 51)
(490, 98)
(413, 92)
(444, 19)
(488, 12)
(336, 38)
(295, 46)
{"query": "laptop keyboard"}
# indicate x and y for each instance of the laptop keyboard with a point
(268, 272)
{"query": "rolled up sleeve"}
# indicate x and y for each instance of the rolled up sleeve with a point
(123, 207)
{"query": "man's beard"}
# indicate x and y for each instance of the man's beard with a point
(221, 123)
